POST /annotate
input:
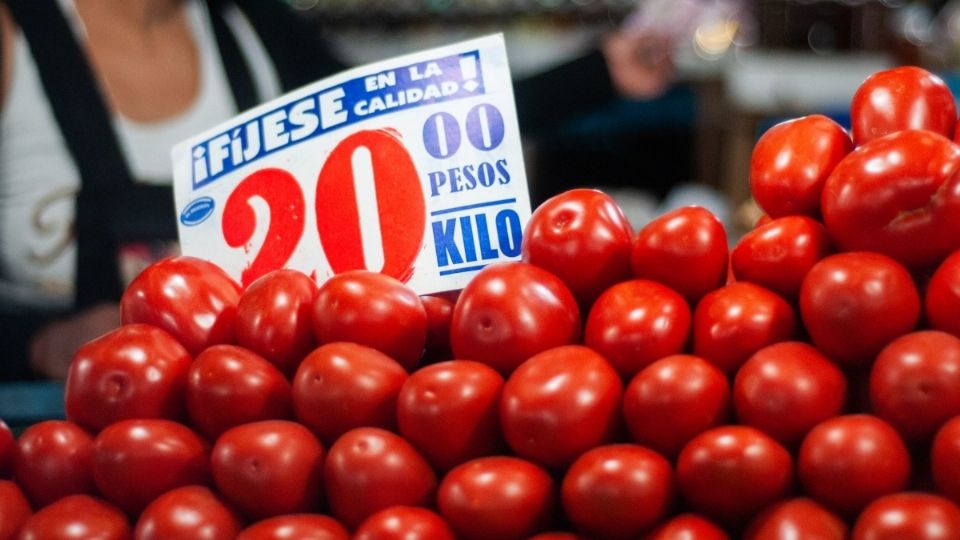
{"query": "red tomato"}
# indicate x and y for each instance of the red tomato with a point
(636, 322)
(945, 459)
(14, 510)
(797, 518)
(188, 513)
(617, 491)
(848, 461)
(370, 469)
(136, 371)
(375, 310)
(576, 226)
(732, 323)
(731, 472)
(673, 400)
(786, 389)
(792, 160)
(685, 249)
(229, 385)
(905, 97)
(556, 536)
(510, 312)
(942, 300)
(899, 196)
(269, 468)
(275, 318)
(341, 386)
(497, 498)
(917, 516)
(77, 517)
(687, 527)
(915, 383)
(296, 527)
(53, 460)
(853, 304)
(192, 299)
(135, 461)
(779, 254)
(7, 446)
(404, 523)
(459, 399)
(559, 404)
(439, 314)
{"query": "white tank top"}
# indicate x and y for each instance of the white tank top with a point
(38, 179)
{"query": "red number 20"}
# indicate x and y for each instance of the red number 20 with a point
(372, 160)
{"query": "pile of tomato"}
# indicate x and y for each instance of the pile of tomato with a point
(613, 385)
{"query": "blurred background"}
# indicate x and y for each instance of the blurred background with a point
(740, 66)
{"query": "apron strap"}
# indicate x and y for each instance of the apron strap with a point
(234, 62)
(79, 109)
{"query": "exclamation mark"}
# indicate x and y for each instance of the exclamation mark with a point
(468, 70)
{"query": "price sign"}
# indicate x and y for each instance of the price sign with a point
(411, 167)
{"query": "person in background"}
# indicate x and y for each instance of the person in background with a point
(95, 93)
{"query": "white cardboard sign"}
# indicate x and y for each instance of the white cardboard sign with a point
(411, 166)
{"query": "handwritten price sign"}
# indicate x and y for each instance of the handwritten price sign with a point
(411, 167)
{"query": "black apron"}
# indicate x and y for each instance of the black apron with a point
(112, 209)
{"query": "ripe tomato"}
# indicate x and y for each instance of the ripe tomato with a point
(737, 320)
(942, 300)
(636, 322)
(52, 460)
(459, 399)
(275, 318)
(188, 513)
(576, 226)
(848, 461)
(731, 472)
(14, 510)
(7, 446)
(135, 461)
(917, 516)
(77, 517)
(905, 97)
(559, 404)
(370, 469)
(341, 386)
(899, 196)
(556, 536)
(229, 385)
(792, 160)
(192, 299)
(404, 523)
(945, 459)
(673, 400)
(296, 527)
(497, 498)
(779, 254)
(617, 491)
(796, 518)
(915, 383)
(687, 527)
(510, 312)
(372, 309)
(685, 249)
(439, 314)
(786, 389)
(853, 304)
(111, 379)
(269, 468)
